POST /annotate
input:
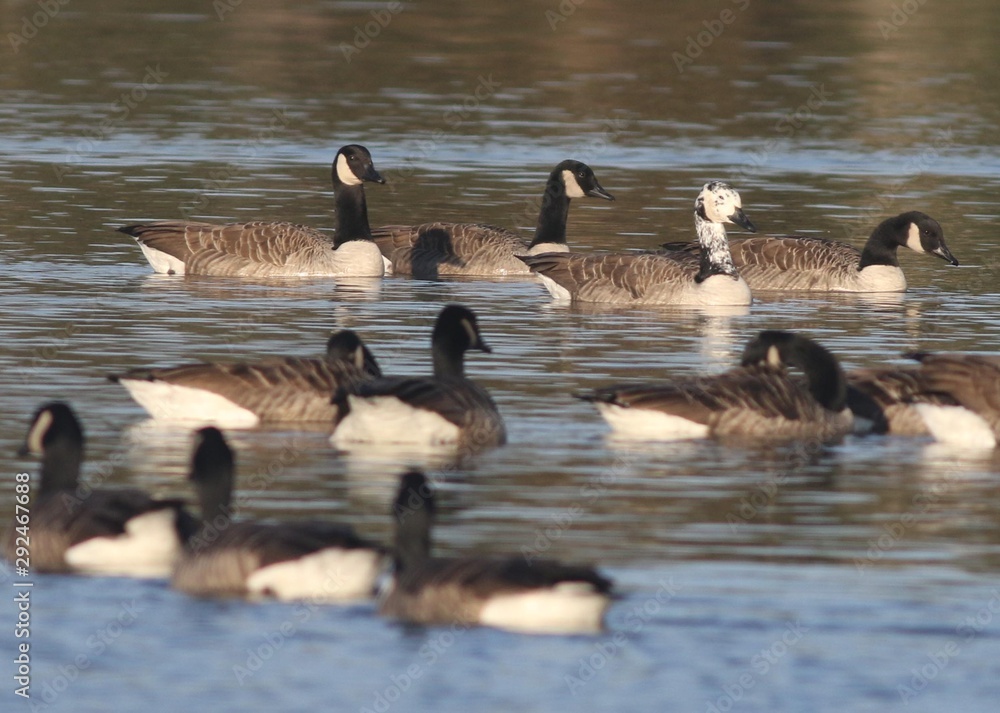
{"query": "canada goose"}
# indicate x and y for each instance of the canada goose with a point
(973, 383)
(885, 398)
(313, 560)
(267, 249)
(101, 531)
(434, 249)
(446, 408)
(243, 394)
(537, 596)
(634, 278)
(820, 265)
(757, 399)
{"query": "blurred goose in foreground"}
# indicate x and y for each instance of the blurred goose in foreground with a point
(758, 399)
(820, 265)
(661, 279)
(972, 384)
(244, 394)
(434, 249)
(536, 596)
(884, 399)
(267, 249)
(318, 561)
(72, 527)
(446, 408)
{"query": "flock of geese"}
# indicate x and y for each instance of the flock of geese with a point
(786, 386)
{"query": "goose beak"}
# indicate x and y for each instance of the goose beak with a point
(944, 253)
(372, 176)
(483, 346)
(598, 192)
(740, 218)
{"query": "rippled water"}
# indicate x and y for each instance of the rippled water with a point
(860, 576)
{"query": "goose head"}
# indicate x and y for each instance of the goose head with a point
(413, 510)
(920, 233)
(346, 346)
(578, 180)
(212, 471)
(779, 349)
(455, 332)
(353, 166)
(55, 435)
(719, 202)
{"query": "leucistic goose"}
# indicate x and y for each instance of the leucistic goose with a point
(537, 596)
(75, 528)
(658, 279)
(244, 394)
(267, 249)
(444, 409)
(435, 249)
(820, 265)
(758, 399)
(313, 560)
(972, 383)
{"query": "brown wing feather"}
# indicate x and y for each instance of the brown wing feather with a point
(435, 249)
(973, 381)
(613, 277)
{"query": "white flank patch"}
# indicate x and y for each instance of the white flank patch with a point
(170, 402)
(330, 575)
(573, 189)
(878, 278)
(650, 425)
(957, 426)
(149, 547)
(344, 172)
(567, 608)
(359, 258)
(557, 291)
(386, 419)
(913, 239)
(386, 265)
(542, 248)
(161, 262)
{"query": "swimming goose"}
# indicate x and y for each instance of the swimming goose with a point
(434, 249)
(885, 399)
(973, 383)
(266, 249)
(662, 279)
(243, 394)
(817, 264)
(100, 531)
(758, 398)
(536, 596)
(314, 560)
(446, 408)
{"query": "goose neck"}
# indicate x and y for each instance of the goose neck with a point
(823, 372)
(882, 246)
(716, 258)
(413, 536)
(553, 215)
(449, 363)
(60, 467)
(352, 214)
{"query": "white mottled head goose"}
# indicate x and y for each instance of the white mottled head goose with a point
(820, 265)
(758, 399)
(267, 249)
(244, 394)
(658, 279)
(75, 528)
(444, 409)
(435, 249)
(312, 560)
(537, 596)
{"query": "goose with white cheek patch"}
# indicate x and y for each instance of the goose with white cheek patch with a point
(318, 561)
(244, 394)
(269, 249)
(99, 531)
(435, 249)
(513, 593)
(658, 279)
(759, 399)
(820, 265)
(444, 409)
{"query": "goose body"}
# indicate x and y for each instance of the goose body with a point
(239, 395)
(435, 249)
(541, 596)
(886, 399)
(971, 384)
(821, 265)
(757, 399)
(658, 279)
(268, 249)
(313, 560)
(446, 408)
(100, 531)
